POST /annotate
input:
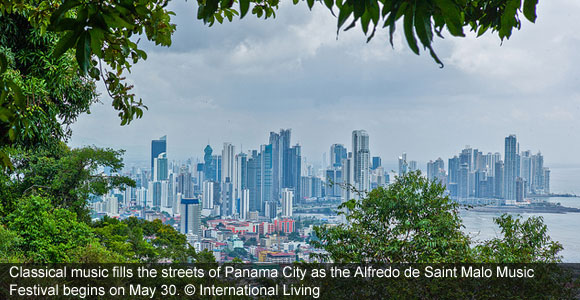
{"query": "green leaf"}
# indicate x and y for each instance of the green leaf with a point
(359, 8)
(83, 52)
(62, 9)
(364, 21)
(3, 63)
(244, 7)
(408, 28)
(19, 98)
(452, 16)
(344, 13)
(530, 9)
(508, 18)
(310, 3)
(64, 43)
(423, 25)
(329, 4)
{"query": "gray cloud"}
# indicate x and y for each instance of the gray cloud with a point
(236, 82)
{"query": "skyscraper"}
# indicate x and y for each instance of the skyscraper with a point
(403, 164)
(463, 187)
(277, 154)
(240, 180)
(209, 166)
(228, 156)
(160, 170)
(293, 171)
(337, 155)
(244, 207)
(526, 169)
(510, 166)
(157, 147)
(537, 185)
(376, 162)
(207, 195)
(190, 216)
(499, 185)
(287, 202)
(361, 159)
(265, 174)
(253, 181)
(348, 177)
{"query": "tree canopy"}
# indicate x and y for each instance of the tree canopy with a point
(413, 221)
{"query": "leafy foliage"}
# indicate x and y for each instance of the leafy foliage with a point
(67, 176)
(522, 242)
(46, 233)
(412, 221)
(41, 95)
(139, 240)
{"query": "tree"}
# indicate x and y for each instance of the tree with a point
(47, 234)
(139, 240)
(521, 242)
(69, 177)
(40, 95)
(412, 221)
(104, 36)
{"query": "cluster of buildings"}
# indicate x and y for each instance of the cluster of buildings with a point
(474, 175)
(228, 198)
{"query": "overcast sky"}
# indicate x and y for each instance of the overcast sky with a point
(236, 82)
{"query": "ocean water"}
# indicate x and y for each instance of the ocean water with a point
(563, 228)
(565, 180)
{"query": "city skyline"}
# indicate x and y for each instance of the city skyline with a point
(270, 181)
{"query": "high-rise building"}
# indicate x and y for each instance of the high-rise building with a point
(463, 187)
(526, 169)
(266, 173)
(184, 183)
(413, 165)
(244, 207)
(160, 167)
(454, 170)
(376, 162)
(537, 184)
(208, 194)
(253, 180)
(240, 180)
(277, 160)
(348, 178)
(157, 147)
(210, 165)
(403, 166)
(287, 202)
(227, 166)
(190, 216)
(333, 182)
(436, 170)
(510, 167)
(285, 153)
(520, 192)
(361, 159)
(293, 171)
(546, 181)
(337, 155)
(499, 186)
